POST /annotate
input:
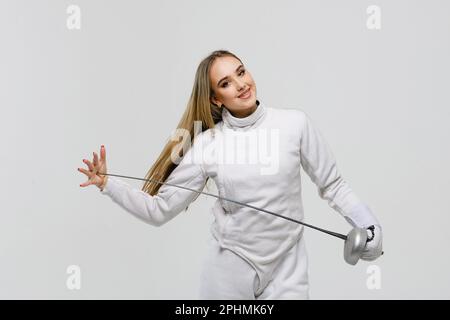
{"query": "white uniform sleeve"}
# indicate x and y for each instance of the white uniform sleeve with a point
(169, 202)
(319, 163)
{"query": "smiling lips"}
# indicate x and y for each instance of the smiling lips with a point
(246, 94)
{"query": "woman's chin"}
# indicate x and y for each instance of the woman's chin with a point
(244, 109)
(246, 103)
(250, 104)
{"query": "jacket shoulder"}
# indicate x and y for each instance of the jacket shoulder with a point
(290, 114)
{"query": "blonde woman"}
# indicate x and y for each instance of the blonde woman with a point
(253, 153)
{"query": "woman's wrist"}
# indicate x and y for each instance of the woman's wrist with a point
(103, 184)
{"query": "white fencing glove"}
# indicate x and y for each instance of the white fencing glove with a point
(361, 216)
(374, 244)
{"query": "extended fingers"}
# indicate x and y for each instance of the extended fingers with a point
(93, 166)
(102, 153)
(95, 159)
(89, 164)
(85, 184)
(88, 173)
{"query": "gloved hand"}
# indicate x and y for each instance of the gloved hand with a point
(374, 247)
(362, 216)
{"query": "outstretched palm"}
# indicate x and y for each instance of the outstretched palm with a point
(95, 167)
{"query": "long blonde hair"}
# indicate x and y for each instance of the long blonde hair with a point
(199, 108)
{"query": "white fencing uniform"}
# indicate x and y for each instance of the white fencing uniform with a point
(254, 160)
(226, 275)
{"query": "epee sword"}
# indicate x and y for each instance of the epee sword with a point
(355, 240)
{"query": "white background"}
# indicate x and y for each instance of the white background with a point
(380, 97)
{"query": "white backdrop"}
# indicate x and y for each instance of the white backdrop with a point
(123, 80)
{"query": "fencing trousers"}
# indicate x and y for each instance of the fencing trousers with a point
(225, 275)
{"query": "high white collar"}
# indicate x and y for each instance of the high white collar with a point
(252, 119)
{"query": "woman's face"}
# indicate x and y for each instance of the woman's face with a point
(233, 86)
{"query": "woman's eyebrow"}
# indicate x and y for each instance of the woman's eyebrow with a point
(218, 83)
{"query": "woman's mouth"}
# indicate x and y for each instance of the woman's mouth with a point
(246, 94)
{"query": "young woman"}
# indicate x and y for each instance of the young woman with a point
(254, 154)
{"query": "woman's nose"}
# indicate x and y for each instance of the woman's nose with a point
(240, 85)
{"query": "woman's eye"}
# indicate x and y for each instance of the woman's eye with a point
(226, 83)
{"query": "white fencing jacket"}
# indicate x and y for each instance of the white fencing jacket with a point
(255, 160)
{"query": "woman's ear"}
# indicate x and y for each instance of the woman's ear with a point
(215, 102)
